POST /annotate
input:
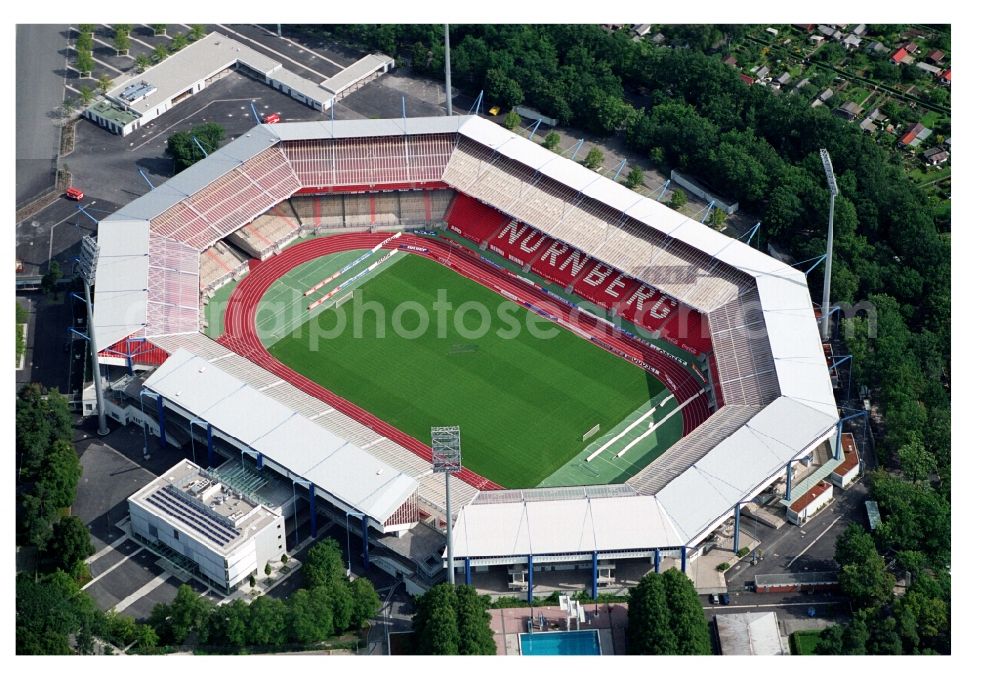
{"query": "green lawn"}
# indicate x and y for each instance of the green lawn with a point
(523, 404)
(805, 642)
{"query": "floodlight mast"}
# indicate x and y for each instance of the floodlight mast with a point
(446, 458)
(86, 268)
(831, 182)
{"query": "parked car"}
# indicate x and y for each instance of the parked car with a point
(74, 193)
(725, 599)
(272, 118)
(714, 599)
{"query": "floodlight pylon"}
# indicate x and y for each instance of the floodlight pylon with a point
(446, 458)
(86, 268)
(831, 182)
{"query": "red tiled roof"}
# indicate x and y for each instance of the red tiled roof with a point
(936, 55)
(899, 55)
(809, 497)
(746, 78)
(850, 454)
(946, 75)
(911, 135)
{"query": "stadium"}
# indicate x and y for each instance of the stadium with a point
(280, 304)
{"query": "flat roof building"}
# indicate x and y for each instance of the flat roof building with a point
(224, 534)
(750, 634)
(358, 74)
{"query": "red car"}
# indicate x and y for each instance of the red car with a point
(272, 118)
(74, 193)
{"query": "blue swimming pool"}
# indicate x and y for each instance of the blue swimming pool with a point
(561, 643)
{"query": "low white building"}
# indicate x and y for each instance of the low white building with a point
(227, 535)
(809, 504)
(750, 634)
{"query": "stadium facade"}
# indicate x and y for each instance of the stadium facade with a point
(162, 254)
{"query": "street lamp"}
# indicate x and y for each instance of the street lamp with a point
(347, 527)
(145, 426)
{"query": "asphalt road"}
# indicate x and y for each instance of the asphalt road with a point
(39, 94)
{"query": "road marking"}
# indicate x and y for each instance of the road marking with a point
(161, 133)
(111, 569)
(300, 46)
(142, 591)
(274, 51)
(789, 564)
(113, 545)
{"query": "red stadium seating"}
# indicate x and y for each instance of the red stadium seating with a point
(518, 242)
(474, 220)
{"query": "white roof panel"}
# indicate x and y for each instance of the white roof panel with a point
(324, 129)
(122, 278)
(335, 466)
(358, 70)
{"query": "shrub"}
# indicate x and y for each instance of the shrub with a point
(743, 552)
(722, 567)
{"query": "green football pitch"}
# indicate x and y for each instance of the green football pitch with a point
(524, 404)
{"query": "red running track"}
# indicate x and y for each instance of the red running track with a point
(240, 334)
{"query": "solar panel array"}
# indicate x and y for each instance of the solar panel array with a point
(203, 520)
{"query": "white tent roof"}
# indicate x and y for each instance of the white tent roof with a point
(562, 526)
(288, 438)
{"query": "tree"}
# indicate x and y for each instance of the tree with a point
(70, 543)
(104, 83)
(684, 614)
(310, 618)
(324, 566)
(916, 461)
(121, 39)
(185, 615)
(594, 158)
(475, 634)
(267, 569)
(159, 28)
(86, 95)
(649, 631)
(512, 120)
(718, 217)
(862, 574)
(229, 625)
(436, 623)
(178, 42)
(85, 42)
(634, 178)
(42, 418)
(366, 602)
(502, 89)
(267, 625)
(197, 32)
(46, 616)
(86, 29)
(160, 52)
(678, 199)
(84, 64)
(58, 477)
(185, 152)
(551, 141)
(142, 62)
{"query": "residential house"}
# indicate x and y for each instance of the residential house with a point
(912, 47)
(859, 30)
(838, 36)
(784, 78)
(763, 72)
(730, 61)
(826, 94)
(849, 110)
(659, 39)
(933, 70)
(945, 77)
(935, 156)
(937, 56)
(827, 31)
(772, 31)
(816, 39)
(641, 29)
(852, 42)
(870, 123)
(746, 78)
(802, 83)
(901, 56)
(876, 47)
(807, 27)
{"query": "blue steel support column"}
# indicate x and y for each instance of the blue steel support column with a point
(593, 576)
(208, 435)
(312, 510)
(656, 560)
(736, 531)
(364, 538)
(468, 571)
(836, 445)
(531, 576)
(163, 420)
(788, 481)
(684, 559)
(260, 461)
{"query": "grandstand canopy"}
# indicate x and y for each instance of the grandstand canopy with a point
(286, 437)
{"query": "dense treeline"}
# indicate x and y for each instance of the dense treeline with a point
(452, 620)
(686, 109)
(328, 605)
(47, 473)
